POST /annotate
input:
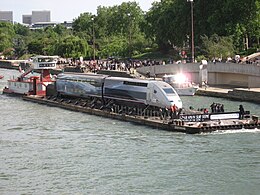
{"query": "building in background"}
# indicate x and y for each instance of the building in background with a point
(37, 17)
(41, 16)
(27, 19)
(6, 16)
(41, 25)
(36, 20)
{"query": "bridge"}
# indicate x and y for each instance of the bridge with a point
(225, 74)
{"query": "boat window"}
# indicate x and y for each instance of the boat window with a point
(45, 60)
(168, 91)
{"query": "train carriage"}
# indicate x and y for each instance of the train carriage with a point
(133, 90)
(118, 89)
(81, 85)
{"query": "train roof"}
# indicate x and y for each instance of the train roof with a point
(163, 84)
(69, 75)
(81, 75)
(128, 79)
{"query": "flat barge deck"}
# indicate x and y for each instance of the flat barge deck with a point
(190, 124)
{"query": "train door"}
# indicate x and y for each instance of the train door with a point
(151, 94)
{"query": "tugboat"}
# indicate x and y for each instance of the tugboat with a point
(33, 85)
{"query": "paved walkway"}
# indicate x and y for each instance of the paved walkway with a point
(215, 89)
(226, 90)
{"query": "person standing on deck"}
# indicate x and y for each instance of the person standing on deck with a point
(174, 111)
(241, 112)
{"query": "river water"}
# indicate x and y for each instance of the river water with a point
(48, 150)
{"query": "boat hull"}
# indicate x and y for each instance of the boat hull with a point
(189, 91)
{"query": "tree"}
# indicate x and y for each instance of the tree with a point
(82, 26)
(6, 36)
(114, 46)
(72, 46)
(120, 22)
(21, 30)
(168, 24)
(36, 47)
(218, 47)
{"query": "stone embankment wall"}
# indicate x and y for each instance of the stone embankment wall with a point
(244, 95)
(235, 94)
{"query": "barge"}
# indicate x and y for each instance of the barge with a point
(186, 123)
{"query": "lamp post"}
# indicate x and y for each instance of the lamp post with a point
(94, 39)
(130, 35)
(192, 31)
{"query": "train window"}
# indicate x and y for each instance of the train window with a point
(168, 91)
(154, 91)
(138, 95)
(135, 84)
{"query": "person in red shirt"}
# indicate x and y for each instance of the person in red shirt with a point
(174, 109)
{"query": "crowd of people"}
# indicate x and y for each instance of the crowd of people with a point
(240, 60)
(108, 64)
(217, 107)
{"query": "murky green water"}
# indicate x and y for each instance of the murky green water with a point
(48, 150)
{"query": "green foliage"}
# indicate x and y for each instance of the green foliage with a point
(153, 55)
(220, 29)
(36, 47)
(169, 22)
(19, 45)
(218, 47)
(200, 58)
(61, 30)
(83, 23)
(21, 30)
(114, 46)
(72, 46)
(6, 36)
(120, 25)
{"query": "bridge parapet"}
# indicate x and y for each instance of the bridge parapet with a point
(248, 69)
(240, 75)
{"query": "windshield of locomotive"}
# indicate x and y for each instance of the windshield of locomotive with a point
(169, 91)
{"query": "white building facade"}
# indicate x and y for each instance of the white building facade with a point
(27, 19)
(6, 16)
(41, 16)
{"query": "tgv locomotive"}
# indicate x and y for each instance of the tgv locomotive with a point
(121, 90)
